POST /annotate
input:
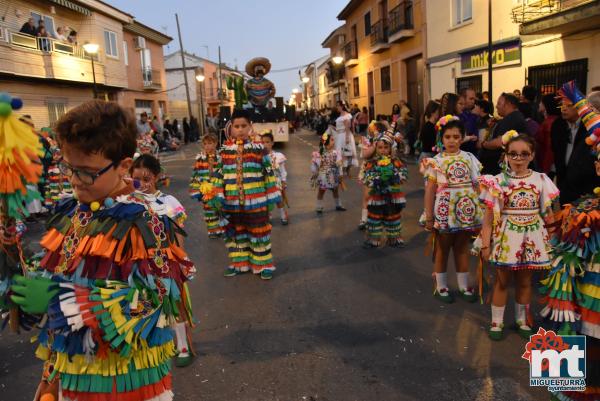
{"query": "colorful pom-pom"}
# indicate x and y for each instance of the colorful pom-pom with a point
(5, 97)
(94, 206)
(5, 109)
(137, 184)
(16, 103)
(109, 202)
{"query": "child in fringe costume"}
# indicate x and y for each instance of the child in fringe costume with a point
(113, 277)
(452, 209)
(146, 174)
(327, 172)
(514, 238)
(278, 160)
(57, 185)
(205, 167)
(383, 176)
(247, 188)
(572, 287)
(367, 150)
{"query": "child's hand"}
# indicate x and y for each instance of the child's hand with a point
(429, 225)
(485, 253)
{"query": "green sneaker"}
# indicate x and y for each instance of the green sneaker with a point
(183, 361)
(468, 295)
(496, 335)
(230, 272)
(444, 295)
(266, 274)
(524, 331)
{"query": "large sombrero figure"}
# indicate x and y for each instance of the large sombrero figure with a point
(258, 88)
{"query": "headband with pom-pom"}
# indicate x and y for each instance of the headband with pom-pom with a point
(508, 135)
(439, 146)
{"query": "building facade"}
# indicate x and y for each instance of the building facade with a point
(542, 43)
(146, 81)
(383, 51)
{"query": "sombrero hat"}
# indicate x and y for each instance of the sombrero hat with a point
(250, 65)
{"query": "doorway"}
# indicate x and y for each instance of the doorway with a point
(371, 96)
(414, 86)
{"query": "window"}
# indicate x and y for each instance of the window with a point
(355, 87)
(462, 11)
(548, 78)
(56, 108)
(386, 81)
(368, 23)
(110, 44)
(472, 82)
(125, 55)
(48, 22)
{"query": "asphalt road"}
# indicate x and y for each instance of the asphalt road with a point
(337, 322)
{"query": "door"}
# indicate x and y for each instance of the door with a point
(414, 86)
(146, 63)
(371, 96)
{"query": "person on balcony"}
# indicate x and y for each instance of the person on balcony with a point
(29, 27)
(43, 37)
(60, 34)
(72, 38)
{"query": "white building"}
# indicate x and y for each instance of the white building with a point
(541, 43)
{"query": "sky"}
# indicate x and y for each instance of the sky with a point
(287, 32)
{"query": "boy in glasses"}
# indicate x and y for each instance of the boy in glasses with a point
(113, 277)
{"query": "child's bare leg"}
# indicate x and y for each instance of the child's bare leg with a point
(461, 261)
(320, 194)
(443, 244)
(338, 201)
(499, 297)
(523, 289)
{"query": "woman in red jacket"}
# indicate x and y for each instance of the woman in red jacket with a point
(550, 109)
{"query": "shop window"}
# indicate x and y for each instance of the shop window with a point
(355, 87)
(56, 108)
(548, 78)
(471, 82)
(386, 81)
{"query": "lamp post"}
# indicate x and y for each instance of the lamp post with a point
(337, 60)
(92, 49)
(200, 79)
(305, 81)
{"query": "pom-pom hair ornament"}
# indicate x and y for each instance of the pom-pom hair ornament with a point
(324, 137)
(439, 147)
(508, 135)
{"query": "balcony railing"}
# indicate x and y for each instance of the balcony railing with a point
(47, 45)
(379, 33)
(401, 17)
(151, 78)
(350, 50)
(532, 10)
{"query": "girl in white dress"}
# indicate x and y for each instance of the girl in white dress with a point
(514, 238)
(344, 141)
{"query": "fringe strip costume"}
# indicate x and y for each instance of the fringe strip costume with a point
(383, 177)
(204, 170)
(122, 281)
(247, 185)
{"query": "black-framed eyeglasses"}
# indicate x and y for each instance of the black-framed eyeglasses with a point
(515, 155)
(85, 177)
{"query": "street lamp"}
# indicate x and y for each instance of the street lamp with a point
(200, 79)
(92, 49)
(305, 79)
(295, 90)
(338, 60)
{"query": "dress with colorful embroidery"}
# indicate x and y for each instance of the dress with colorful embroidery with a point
(456, 206)
(519, 236)
(278, 160)
(327, 168)
(205, 168)
(384, 177)
(165, 204)
(122, 285)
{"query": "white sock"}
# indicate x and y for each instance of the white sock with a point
(283, 213)
(521, 313)
(498, 317)
(363, 215)
(338, 201)
(441, 280)
(463, 280)
(182, 345)
(319, 204)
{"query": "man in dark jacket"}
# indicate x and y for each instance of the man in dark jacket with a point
(29, 27)
(573, 159)
(512, 119)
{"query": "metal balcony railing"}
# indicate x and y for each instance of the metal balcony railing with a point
(401, 17)
(47, 45)
(350, 50)
(379, 33)
(530, 10)
(151, 78)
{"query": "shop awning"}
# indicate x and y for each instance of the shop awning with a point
(72, 6)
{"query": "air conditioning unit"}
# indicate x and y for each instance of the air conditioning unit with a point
(140, 42)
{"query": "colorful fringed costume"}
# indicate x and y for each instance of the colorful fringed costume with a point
(57, 184)
(456, 205)
(248, 188)
(204, 171)
(384, 176)
(122, 284)
(519, 236)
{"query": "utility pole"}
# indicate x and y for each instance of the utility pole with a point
(187, 88)
(490, 60)
(220, 80)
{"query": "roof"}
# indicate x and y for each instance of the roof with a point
(148, 32)
(223, 65)
(337, 31)
(350, 7)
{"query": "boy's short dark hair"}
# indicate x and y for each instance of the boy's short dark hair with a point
(210, 137)
(269, 135)
(99, 127)
(510, 98)
(240, 113)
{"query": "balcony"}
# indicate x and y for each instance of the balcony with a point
(25, 55)
(379, 37)
(401, 22)
(151, 79)
(556, 16)
(351, 53)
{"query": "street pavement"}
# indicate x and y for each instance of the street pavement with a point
(337, 322)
